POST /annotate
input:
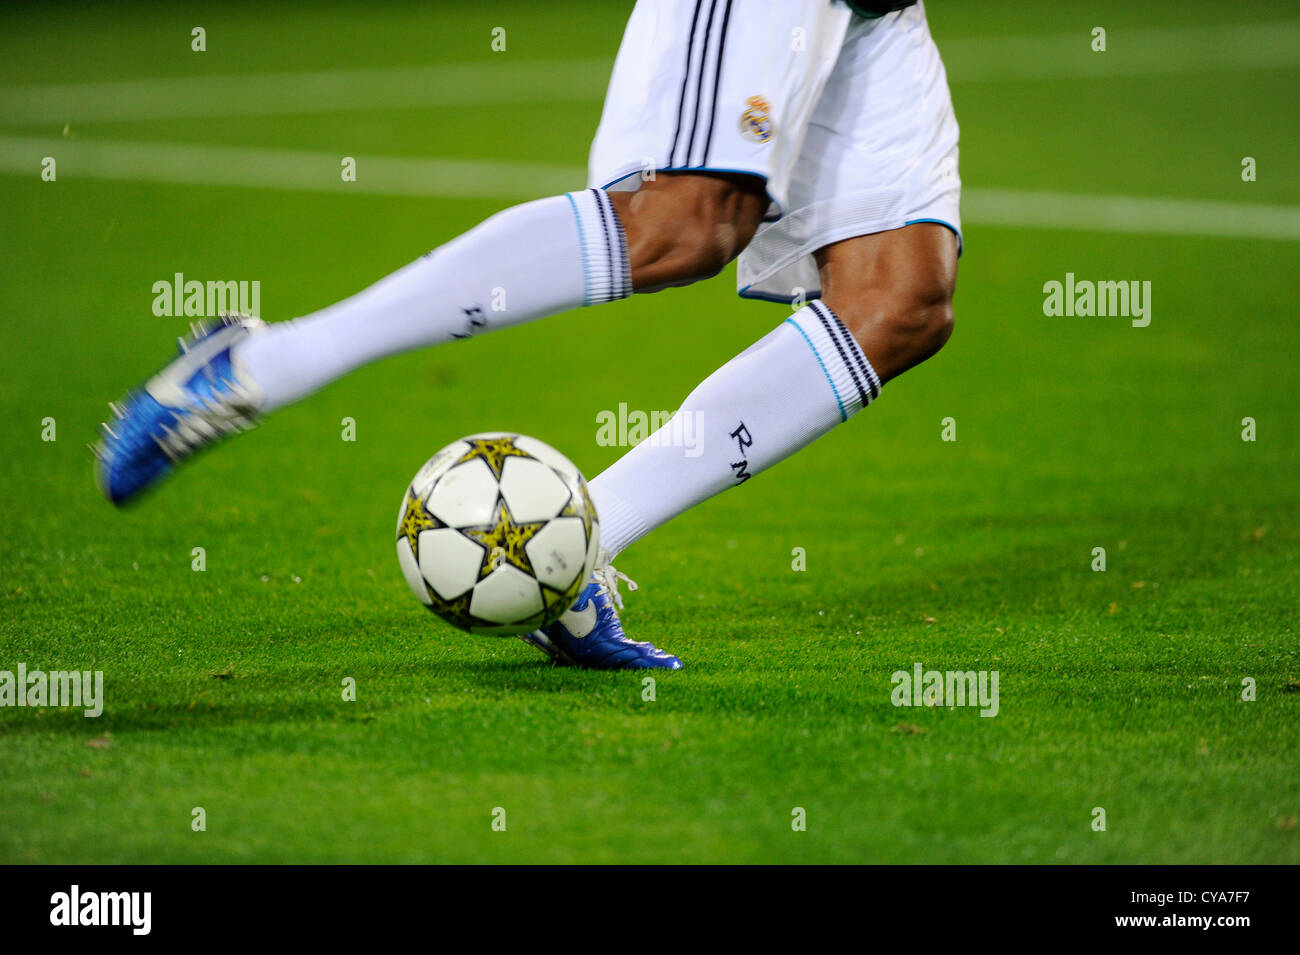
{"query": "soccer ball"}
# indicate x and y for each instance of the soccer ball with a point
(497, 534)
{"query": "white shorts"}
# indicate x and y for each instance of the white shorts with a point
(848, 119)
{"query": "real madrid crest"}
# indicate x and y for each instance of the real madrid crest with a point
(756, 121)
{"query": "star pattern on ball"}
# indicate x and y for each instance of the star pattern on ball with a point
(456, 610)
(493, 451)
(504, 541)
(586, 510)
(416, 518)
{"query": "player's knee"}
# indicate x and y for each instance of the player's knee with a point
(907, 325)
(926, 322)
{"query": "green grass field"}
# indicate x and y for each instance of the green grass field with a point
(1121, 690)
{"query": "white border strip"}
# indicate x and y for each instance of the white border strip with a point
(1129, 52)
(1197, 49)
(494, 179)
(326, 91)
(1139, 214)
(285, 169)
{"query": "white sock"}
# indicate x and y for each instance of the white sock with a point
(780, 394)
(526, 262)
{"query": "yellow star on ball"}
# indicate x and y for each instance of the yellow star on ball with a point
(504, 541)
(494, 451)
(416, 518)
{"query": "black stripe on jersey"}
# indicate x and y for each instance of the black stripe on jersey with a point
(717, 81)
(686, 80)
(699, 84)
(829, 325)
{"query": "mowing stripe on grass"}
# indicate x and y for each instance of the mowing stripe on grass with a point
(1198, 49)
(496, 179)
(286, 169)
(1136, 214)
(324, 91)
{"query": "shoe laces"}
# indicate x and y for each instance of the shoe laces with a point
(607, 578)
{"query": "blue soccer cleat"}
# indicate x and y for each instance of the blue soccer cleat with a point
(589, 634)
(199, 398)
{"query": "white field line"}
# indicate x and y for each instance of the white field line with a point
(1198, 49)
(326, 91)
(1059, 55)
(492, 179)
(1138, 214)
(286, 169)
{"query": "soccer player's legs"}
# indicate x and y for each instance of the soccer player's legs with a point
(526, 262)
(871, 237)
(691, 183)
(885, 306)
(532, 260)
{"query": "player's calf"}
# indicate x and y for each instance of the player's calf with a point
(893, 290)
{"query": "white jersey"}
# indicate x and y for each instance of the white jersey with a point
(847, 118)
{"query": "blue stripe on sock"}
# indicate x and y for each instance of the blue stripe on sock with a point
(831, 327)
(582, 244)
(829, 381)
